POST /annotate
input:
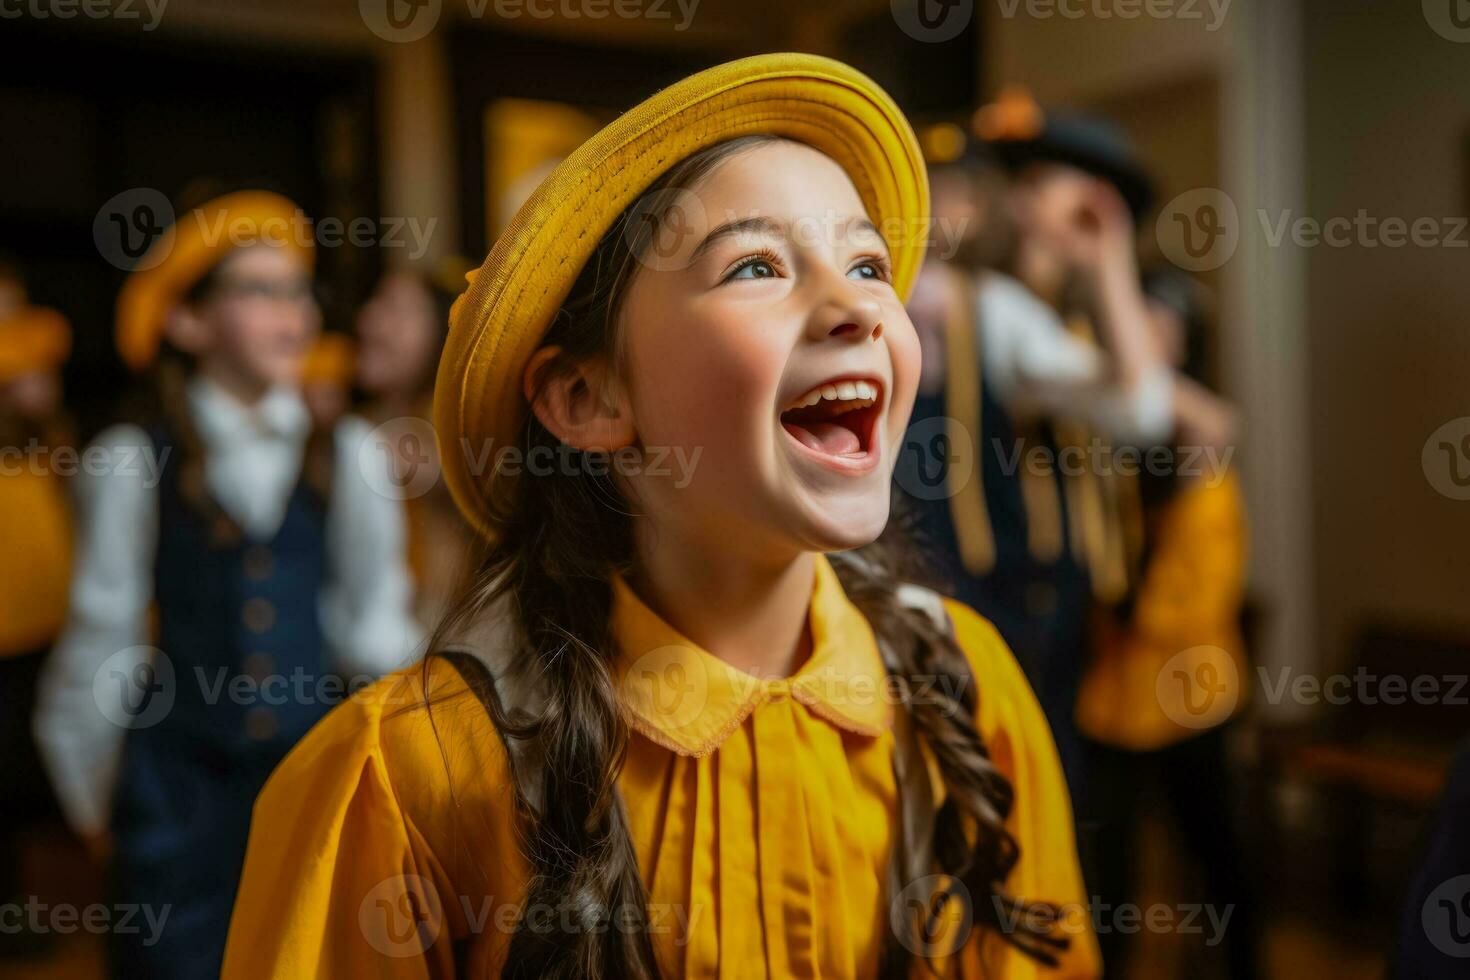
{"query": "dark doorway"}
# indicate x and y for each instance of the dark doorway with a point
(87, 114)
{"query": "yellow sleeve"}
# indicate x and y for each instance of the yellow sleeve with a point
(36, 526)
(1020, 742)
(338, 882)
(1195, 579)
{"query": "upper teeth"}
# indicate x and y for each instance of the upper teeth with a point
(842, 391)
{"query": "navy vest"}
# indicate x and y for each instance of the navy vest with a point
(1040, 609)
(239, 622)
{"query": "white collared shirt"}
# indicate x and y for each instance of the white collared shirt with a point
(253, 460)
(1035, 367)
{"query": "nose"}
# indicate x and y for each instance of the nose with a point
(845, 310)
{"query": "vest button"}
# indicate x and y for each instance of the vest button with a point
(260, 724)
(259, 615)
(260, 564)
(259, 666)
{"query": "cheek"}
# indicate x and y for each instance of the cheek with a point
(907, 356)
(704, 381)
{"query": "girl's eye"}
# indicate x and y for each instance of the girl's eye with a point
(869, 269)
(753, 268)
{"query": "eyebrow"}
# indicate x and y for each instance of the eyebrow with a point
(770, 226)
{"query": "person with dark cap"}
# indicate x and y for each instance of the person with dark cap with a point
(1146, 719)
(1028, 391)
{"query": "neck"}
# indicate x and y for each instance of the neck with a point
(751, 614)
(247, 391)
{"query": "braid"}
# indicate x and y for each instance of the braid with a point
(966, 837)
(556, 567)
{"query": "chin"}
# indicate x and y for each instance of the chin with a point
(843, 527)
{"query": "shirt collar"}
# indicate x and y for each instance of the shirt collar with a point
(222, 419)
(689, 701)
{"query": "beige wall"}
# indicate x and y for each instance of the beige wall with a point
(1388, 123)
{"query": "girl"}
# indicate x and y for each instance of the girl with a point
(686, 722)
(400, 334)
(36, 526)
(231, 560)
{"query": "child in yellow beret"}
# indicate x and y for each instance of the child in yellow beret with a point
(326, 378)
(687, 720)
(237, 567)
(35, 520)
(400, 335)
(35, 568)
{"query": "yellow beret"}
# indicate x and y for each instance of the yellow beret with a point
(497, 324)
(33, 340)
(193, 245)
(331, 360)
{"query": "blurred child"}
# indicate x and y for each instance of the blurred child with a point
(327, 378)
(1042, 368)
(1168, 667)
(400, 334)
(232, 560)
(36, 528)
(785, 809)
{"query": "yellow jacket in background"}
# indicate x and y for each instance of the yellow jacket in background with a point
(35, 570)
(1177, 666)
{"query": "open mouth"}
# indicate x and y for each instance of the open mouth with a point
(836, 419)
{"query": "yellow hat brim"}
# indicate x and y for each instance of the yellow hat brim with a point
(497, 324)
(196, 242)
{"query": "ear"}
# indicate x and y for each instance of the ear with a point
(585, 407)
(186, 329)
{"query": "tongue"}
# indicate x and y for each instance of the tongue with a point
(826, 437)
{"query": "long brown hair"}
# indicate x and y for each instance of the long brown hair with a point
(563, 540)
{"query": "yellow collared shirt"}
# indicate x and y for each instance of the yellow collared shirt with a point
(761, 812)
